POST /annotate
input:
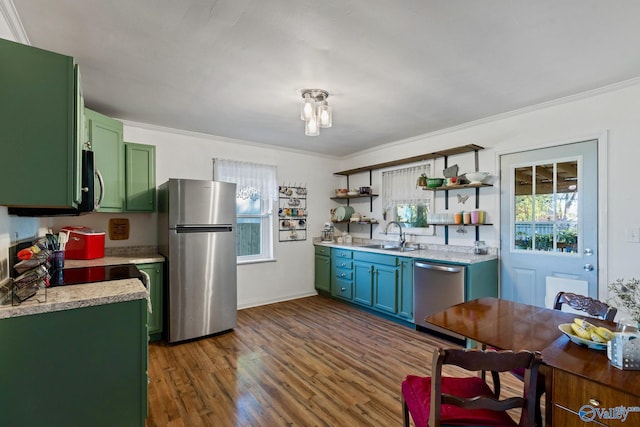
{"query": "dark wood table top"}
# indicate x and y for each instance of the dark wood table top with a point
(510, 325)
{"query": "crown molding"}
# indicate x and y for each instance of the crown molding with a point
(10, 14)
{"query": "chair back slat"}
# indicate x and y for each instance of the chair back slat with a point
(593, 307)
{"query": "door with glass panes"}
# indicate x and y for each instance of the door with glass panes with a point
(549, 222)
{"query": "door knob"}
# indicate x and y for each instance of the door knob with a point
(588, 267)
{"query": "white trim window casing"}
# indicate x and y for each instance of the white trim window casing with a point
(256, 197)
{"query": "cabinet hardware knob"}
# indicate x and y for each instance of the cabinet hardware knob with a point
(594, 402)
(343, 275)
(343, 289)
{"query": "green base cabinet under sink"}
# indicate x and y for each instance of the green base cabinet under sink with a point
(78, 367)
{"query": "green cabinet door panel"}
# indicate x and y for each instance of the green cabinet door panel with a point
(385, 287)
(80, 367)
(481, 280)
(405, 289)
(156, 291)
(322, 273)
(39, 144)
(140, 177)
(105, 136)
(363, 281)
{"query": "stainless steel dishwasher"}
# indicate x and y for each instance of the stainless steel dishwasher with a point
(436, 287)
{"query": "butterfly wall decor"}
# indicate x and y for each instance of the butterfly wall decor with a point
(461, 198)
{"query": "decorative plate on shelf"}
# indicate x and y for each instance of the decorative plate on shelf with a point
(566, 329)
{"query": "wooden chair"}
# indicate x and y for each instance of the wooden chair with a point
(438, 399)
(592, 307)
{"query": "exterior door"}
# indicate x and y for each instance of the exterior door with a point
(549, 222)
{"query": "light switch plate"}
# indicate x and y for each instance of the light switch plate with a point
(632, 234)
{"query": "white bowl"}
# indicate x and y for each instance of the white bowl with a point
(476, 177)
(566, 329)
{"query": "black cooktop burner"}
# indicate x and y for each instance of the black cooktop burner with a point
(76, 276)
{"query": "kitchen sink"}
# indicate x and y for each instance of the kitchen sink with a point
(388, 247)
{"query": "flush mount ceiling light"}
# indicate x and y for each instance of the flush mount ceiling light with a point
(315, 111)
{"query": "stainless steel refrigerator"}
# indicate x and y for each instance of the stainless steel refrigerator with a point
(197, 235)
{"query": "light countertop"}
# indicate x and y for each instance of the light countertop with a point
(60, 298)
(454, 254)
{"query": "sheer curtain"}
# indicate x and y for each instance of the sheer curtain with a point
(254, 180)
(399, 187)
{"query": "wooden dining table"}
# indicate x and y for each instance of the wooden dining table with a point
(577, 379)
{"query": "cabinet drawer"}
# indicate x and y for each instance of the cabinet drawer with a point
(342, 253)
(345, 274)
(323, 250)
(343, 289)
(376, 258)
(343, 263)
(573, 392)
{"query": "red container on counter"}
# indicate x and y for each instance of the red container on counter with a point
(84, 243)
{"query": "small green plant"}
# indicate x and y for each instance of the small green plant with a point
(626, 295)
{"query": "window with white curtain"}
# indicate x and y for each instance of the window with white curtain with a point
(256, 195)
(403, 200)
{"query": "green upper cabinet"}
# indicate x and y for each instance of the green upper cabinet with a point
(40, 123)
(105, 136)
(140, 177)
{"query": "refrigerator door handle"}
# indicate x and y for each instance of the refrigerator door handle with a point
(222, 228)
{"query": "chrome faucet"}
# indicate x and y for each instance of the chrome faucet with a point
(401, 239)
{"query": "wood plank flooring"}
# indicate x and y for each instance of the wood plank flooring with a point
(307, 362)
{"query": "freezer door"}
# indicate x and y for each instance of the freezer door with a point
(201, 202)
(202, 283)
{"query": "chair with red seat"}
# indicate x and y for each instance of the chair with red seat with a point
(442, 400)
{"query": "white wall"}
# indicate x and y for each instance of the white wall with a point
(614, 111)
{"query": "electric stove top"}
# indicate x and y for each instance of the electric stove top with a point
(77, 276)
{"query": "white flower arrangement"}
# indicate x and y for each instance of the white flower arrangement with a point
(626, 295)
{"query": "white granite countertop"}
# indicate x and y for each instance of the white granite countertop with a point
(114, 260)
(77, 296)
(85, 295)
(456, 254)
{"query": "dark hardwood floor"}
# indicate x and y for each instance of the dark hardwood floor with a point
(307, 362)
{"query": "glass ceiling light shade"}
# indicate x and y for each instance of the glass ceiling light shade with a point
(311, 127)
(315, 111)
(324, 115)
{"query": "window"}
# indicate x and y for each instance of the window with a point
(403, 200)
(546, 207)
(255, 198)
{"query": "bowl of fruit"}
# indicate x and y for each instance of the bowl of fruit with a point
(584, 333)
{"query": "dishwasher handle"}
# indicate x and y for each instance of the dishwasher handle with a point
(448, 269)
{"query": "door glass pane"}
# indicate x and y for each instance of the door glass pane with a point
(523, 220)
(567, 206)
(546, 207)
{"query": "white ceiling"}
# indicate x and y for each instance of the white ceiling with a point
(394, 69)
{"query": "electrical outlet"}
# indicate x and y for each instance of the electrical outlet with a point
(632, 234)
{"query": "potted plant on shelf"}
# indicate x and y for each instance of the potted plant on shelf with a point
(422, 180)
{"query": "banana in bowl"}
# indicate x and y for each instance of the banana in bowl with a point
(584, 333)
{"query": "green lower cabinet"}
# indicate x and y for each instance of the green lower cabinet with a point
(322, 270)
(405, 289)
(140, 177)
(79, 367)
(156, 290)
(385, 288)
(363, 280)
